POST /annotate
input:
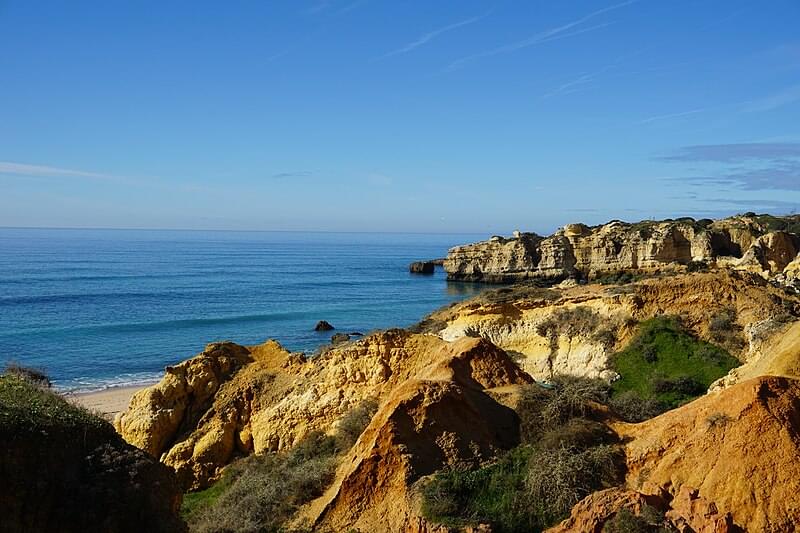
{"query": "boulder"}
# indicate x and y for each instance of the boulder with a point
(323, 325)
(339, 338)
(422, 267)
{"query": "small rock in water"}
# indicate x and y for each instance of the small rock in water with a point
(422, 267)
(323, 325)
(339, 338)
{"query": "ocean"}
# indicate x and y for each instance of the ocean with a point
(102, 308)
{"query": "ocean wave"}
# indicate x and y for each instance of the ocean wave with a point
(83, 297)
(81, 385)
(125, 327)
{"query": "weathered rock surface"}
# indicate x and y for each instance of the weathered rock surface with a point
(323, 325)
(736, 450)
(574, 330)
(686, 512)
(441, 418)
(70, 472)
(583, 252)
(232, 400)
(422, 267)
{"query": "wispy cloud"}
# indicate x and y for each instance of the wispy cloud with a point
(432, 35)
(745, 166)
(551, 34)
(775, 101)
(668, 116)
(295, 174)
(40, 171)
(727, 153)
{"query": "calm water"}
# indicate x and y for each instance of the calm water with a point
(107, 307)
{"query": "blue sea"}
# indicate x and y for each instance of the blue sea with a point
(101, 308)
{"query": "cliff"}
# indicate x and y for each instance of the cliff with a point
(448, 394)
(232, 400)
(578, 251)
(575, 330)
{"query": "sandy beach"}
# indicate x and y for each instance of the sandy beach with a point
(107, 402)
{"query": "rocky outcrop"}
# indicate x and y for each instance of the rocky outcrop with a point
(232, 400)
(686, 512)
(323, 325)
(441, 418)
(575, 330)
(63, 469)
(579, 251)
(422, 267)
(734, 451)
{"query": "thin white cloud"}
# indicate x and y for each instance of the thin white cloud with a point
(432, 35)
(775, 101)
(552, 34)
(673, 115)
(41, 171)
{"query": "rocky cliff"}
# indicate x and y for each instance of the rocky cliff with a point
(578, 251)
(448, 393)
(233, 400)
(575, 330)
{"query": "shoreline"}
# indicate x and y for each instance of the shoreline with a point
(109, 402)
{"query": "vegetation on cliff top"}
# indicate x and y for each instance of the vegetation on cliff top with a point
(27, 407)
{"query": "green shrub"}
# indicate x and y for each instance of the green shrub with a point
(26, 407)
(543, 408)
(665, 363)
(650, 520)
(631, 406)
(565, 455)
(37, 376)
(353, 423)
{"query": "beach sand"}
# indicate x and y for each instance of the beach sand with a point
(107, 402)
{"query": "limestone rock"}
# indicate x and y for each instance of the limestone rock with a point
(580, 251)
(422, 267)
(686, 513)
(574, 330)
(268, 399)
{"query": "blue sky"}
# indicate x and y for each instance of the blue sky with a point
(369, 115)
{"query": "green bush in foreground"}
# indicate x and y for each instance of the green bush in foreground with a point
(28, 408)
(666, 365)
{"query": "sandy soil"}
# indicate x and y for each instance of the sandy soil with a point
(108, 402)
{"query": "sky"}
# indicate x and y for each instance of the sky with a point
(369, 115)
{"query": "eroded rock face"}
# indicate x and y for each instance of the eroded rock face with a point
(686, 512)
(266, 399)
(579, 251)
(735, 451)
(443, 418)
(575, 330)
